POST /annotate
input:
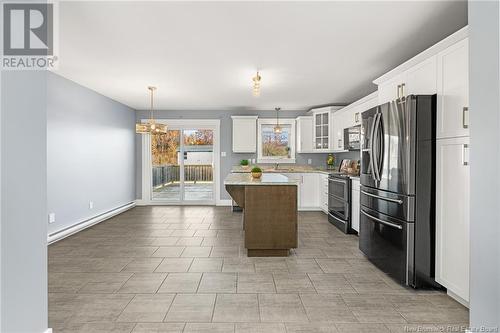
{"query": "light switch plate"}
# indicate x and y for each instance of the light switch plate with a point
(223, 154)
(91, 205)
(52, 217)
(309, 161)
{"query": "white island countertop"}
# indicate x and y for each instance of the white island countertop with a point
(265, 179)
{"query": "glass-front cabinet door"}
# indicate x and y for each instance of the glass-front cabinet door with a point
(321, 130)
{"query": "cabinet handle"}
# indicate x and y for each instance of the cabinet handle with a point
(464, 111)
(399, 89)
(356, 117)
(465, 148)
(403, 90)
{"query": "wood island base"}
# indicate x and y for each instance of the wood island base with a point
(269, 218)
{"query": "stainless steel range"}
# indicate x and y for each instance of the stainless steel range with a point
(339, 201)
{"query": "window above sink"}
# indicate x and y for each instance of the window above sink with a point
(275, 147)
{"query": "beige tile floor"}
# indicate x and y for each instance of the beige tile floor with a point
(184, 269)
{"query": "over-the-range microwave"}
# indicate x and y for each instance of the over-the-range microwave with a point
(352, 138)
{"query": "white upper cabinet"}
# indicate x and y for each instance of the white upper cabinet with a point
(421, 78)
(321, 129)
(244, 134)
(390, 90)
(304, 134)
(452, 215)
(418, 80)
(338, 125)
(424, 73)
(349, 116)
(453, 91)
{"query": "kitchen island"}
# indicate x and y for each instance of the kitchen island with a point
(269, 212)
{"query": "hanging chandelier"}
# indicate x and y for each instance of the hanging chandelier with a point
(256, 84)
(277, 129)
(151, 126)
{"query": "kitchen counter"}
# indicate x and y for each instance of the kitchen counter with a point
(269, 212)
(242, 178)
(270, 169)
(285, 169)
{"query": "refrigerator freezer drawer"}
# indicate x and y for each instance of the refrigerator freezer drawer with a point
(399, 206)
(388, 244)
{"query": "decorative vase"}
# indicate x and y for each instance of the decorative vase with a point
(256, 175)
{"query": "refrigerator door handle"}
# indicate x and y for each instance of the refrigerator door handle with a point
(372, 164)
(389, 224)
(380, 157)
(375, 147)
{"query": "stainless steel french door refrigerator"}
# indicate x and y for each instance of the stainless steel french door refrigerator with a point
(397, 221)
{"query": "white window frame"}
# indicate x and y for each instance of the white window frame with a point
(266, 159)
(178, 124)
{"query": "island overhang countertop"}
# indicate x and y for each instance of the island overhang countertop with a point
(265, 179)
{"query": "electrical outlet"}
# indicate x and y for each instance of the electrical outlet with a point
(309, 161)
(52, 217)
(223, 154)
(91, 205)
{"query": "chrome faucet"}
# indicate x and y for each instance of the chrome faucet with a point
(276, 167)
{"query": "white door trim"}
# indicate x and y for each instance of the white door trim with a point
(213, 124)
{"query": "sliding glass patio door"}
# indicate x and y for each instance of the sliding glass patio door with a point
(182, 162)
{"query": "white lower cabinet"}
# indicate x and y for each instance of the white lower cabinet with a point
(323, 192)
(308, 191)
(355, 204)
(307, 194)
(452, 215)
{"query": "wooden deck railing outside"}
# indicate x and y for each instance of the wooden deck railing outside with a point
(167, 174)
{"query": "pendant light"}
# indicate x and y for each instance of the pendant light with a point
(277, 128)
(151, 126)
(256, 84)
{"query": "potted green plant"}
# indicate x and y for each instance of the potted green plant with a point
(244, 164)
(256, 172)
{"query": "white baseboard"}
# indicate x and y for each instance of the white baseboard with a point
(140, 202)
(224, 202)
(457, 298)
(49, 330)
(63, 233)
(309, 209)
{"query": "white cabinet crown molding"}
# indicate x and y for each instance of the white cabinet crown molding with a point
(429, 52)
(367, 98)
(244, 117)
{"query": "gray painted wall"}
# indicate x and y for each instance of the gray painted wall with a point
(485, 164)
(231, 158)
(23, 202)
(90, 155)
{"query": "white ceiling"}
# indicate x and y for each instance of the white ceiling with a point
(202, 55)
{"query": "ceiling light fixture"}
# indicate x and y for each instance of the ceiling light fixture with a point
(151, 126)
(256, 84)
(277, 128)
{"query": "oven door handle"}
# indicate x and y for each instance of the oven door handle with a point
(400, 202)
(337, 180)
(389, 224)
